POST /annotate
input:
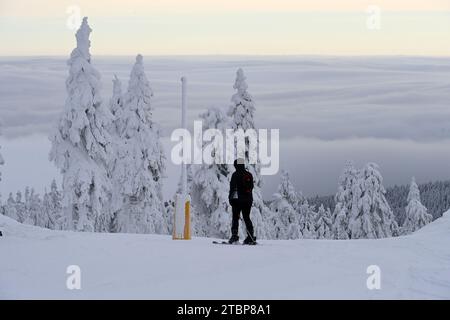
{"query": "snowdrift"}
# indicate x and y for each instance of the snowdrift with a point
(34, 264)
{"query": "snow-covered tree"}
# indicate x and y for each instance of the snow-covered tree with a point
(323, 223)
(287, 190)
(210, 183)
(116, 106)
(371, 217)
(307, 221)
(116, 102)
(31, 206)
(20, 207)
(416, 214)
(81, 146)
(242, 117)
(433, 195)
(345, 199)
(139, 166)
(26, 218)
(53, 208)
(2, 162)
(243, 108)
(117, 125)
(36, 216)
(10, 209)
(285, 217)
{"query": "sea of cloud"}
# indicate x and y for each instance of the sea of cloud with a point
(391, 110)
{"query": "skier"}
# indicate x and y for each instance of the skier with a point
(241, 199)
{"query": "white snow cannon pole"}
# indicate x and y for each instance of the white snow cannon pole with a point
(181, 225)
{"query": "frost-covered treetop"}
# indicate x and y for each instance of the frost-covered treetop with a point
(349, 165)
(416, 213)
(286, 188)
(53, 186)
(414, 193)
(84, 118)
(348, 172)
(83, 42)
(139, 59)
(240, 85)
(214, 118)
(243, 109)
(346, 182)
(139, 90)
(116, 99)
(117, 86)
(373, 177)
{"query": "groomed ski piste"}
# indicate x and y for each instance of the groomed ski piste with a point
(34, 262)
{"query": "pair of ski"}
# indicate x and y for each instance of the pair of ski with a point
(234, 244)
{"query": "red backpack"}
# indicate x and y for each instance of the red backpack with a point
(247, 182)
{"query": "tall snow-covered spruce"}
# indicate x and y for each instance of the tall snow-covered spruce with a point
(116, 126)
(116, 107)
(285, 206)
(362, 210)
(10, 208)
(139, 166)
(52, 208)
(209, 188)
(19, 207)
(323, 223)
(417, 215)
(242, 113)
(372, 217)
(307, 221)
(81, 146)
(243, 108)
(34, 210)
(346, 199)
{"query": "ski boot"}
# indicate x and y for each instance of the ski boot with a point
(250, 240)
(233, 240)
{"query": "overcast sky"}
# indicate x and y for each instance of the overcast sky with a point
(345, 27)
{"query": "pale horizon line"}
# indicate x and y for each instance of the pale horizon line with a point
(337, 55)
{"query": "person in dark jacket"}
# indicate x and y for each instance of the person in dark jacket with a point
(241, 200)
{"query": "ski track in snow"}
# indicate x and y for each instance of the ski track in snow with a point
(34, 263)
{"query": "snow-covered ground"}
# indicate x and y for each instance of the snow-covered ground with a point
(34, 261)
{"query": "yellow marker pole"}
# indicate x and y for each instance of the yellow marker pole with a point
(182, 218)
(187, 221)
(181, 221)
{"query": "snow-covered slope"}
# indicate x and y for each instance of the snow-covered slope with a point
(33, 265)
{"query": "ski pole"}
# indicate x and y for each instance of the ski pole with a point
(246, 230)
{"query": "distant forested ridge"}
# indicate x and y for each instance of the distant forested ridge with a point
(435, 197)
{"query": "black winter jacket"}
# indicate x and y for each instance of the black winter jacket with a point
(237, 184)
